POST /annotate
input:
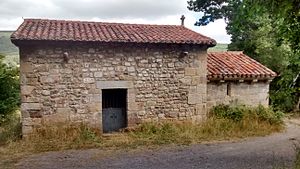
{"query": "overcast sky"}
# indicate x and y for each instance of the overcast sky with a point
(126, 11)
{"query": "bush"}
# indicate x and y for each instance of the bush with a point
(239, 112)
(9, 90)
(282, 96)
(225, 111)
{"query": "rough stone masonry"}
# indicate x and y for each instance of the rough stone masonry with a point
(63, 82)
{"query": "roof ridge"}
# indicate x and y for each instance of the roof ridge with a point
(100, 22)
(228, 51)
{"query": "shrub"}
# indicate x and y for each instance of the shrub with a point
(9, 90)
(268, 114)
(239, 112)
(235, 113)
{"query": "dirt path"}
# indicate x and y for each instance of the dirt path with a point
(273, 151)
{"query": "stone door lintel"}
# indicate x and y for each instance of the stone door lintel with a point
(114, 84)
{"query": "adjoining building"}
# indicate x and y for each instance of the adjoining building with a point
(234, 77)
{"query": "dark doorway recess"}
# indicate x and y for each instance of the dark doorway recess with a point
(114, 103)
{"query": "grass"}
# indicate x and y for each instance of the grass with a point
(58, 138)
(213, 129)
(10, 130)
(71, 136)
(54, 138)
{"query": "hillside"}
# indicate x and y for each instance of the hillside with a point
(220, 47)
(7, 48)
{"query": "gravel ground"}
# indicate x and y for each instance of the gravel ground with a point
(275, 151)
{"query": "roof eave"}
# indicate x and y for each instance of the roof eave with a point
(218, 78)
(19, 42)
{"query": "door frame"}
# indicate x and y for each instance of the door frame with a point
(132, 106)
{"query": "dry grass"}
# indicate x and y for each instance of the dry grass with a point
(54, 138)
(212, 130)
(69, 136)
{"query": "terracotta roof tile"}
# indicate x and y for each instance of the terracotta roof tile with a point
(235, 65)
(61, 30)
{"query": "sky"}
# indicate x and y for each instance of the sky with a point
(166, 12)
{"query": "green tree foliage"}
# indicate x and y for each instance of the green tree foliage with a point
(289, 33)
(9, 90)
(265, 33)
(236, 16)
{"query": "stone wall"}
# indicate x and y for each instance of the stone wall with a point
(248, 93)
(63, 82)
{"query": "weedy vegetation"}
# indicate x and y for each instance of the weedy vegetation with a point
(10, 130)
(224, 123)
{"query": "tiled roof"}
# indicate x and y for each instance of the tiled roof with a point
(235, 65)
(61, 30)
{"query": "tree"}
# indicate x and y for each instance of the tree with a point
(9, 90)
(266, 34)
(289, 32)
(240, 16)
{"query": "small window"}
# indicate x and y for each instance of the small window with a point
(228, 89)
